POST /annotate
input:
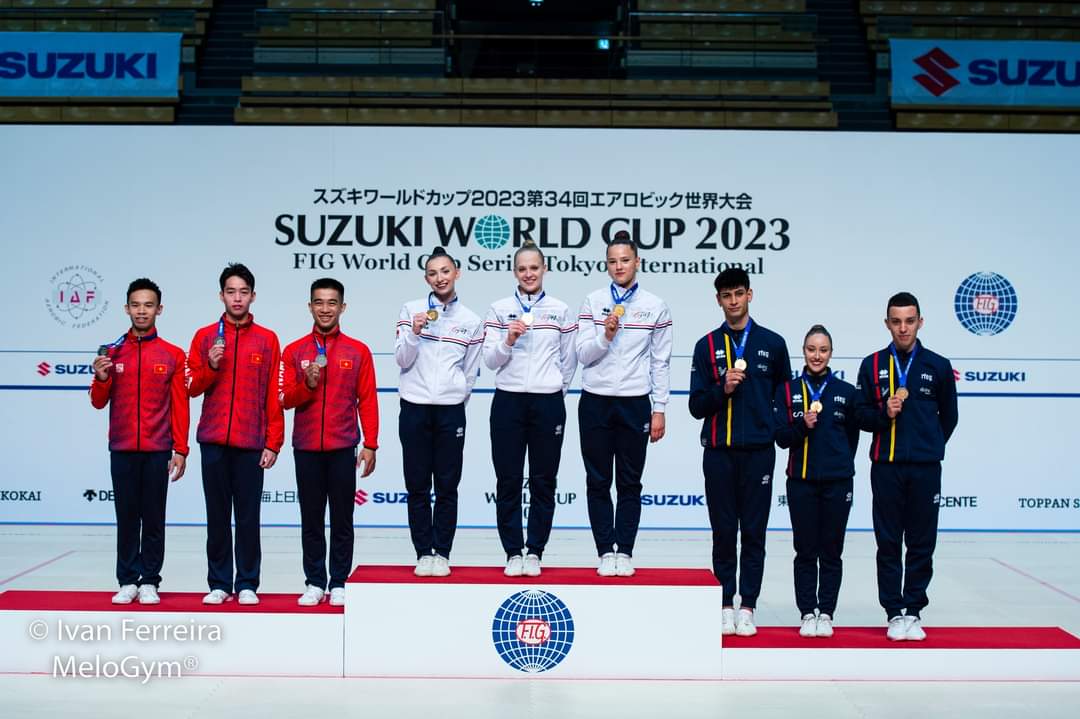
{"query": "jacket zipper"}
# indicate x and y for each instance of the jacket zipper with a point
(232, 393)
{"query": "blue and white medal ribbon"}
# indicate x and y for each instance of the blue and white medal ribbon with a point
(618, 310)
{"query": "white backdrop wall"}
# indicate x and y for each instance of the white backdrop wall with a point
(831, 224)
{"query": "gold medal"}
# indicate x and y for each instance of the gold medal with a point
(433, 314)
(816, 406)
(527, 319)
(902, 393)
(619, 311)
(740, 364)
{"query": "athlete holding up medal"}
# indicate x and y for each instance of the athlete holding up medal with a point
(737, 368)
(624, 345)
(816, 421)
(907, 398)
(438, 350)
(529, 343)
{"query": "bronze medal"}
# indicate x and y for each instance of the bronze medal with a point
(103, 351)
(816, 406)
(219, 341)
(902, 393)
(740, 364)
(433, 314)
(619, 311)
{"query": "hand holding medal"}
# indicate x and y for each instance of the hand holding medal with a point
(217, 350)
(737, 372)
(895, 404)
(515, 328)
(103, 362)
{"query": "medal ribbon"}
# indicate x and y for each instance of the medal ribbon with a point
(526, 308)
(431, 304)
(901, 374)
(740, 348)
(319, 348)
(221, 328)
(618, 299)
(815, 395)
(119, 341)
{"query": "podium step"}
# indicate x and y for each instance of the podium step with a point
(82, 634)
(948, 653)
(566, 623)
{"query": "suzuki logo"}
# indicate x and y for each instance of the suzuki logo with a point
(44, 368)
(360, 497)
(936, 80)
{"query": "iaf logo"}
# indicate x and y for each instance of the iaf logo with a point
(985, 304)
(533, 631)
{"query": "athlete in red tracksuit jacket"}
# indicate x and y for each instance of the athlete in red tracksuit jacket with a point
(141, 378)
(329, 379)
(235, 364)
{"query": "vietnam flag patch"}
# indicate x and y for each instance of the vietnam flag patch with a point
(256, 359)
(345, 364)
(160, 369)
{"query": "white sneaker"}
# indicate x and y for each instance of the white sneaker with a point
(337, 596)
(744, 626)
(607, 565)
(247, 597)
(125, 595)
(532, 566)
(897, 631)
(809, 626)
(148, 594)
(216, 596)
(440, 567)
(311, 596)
(424, 565)
(623, 566)
(514, 567)
(727, 621)
(913, 629)
(824, 626)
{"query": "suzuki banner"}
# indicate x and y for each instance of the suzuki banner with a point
(981, 228)
(89, 64)
(976, 72)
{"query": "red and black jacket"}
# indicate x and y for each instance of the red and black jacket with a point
(326, 417)
(148, 405)
(241, 407)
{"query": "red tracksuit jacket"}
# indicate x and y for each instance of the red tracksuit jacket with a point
(148, 405)
(241, 407)
(326, 416)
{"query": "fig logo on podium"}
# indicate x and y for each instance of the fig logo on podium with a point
(533, 631)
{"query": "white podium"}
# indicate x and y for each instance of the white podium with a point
(567, 623)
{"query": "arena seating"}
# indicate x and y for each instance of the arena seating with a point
(1003, 21)
(184, 16)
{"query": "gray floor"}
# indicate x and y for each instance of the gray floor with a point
(980, 579)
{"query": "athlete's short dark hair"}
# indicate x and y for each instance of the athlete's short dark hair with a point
(328, 283)
(144, 283)
(903, 299)
(236, 269)
(732, 279)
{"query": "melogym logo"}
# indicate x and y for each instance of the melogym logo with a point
(937, 81)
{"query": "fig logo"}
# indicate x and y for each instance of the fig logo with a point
(532, 631)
